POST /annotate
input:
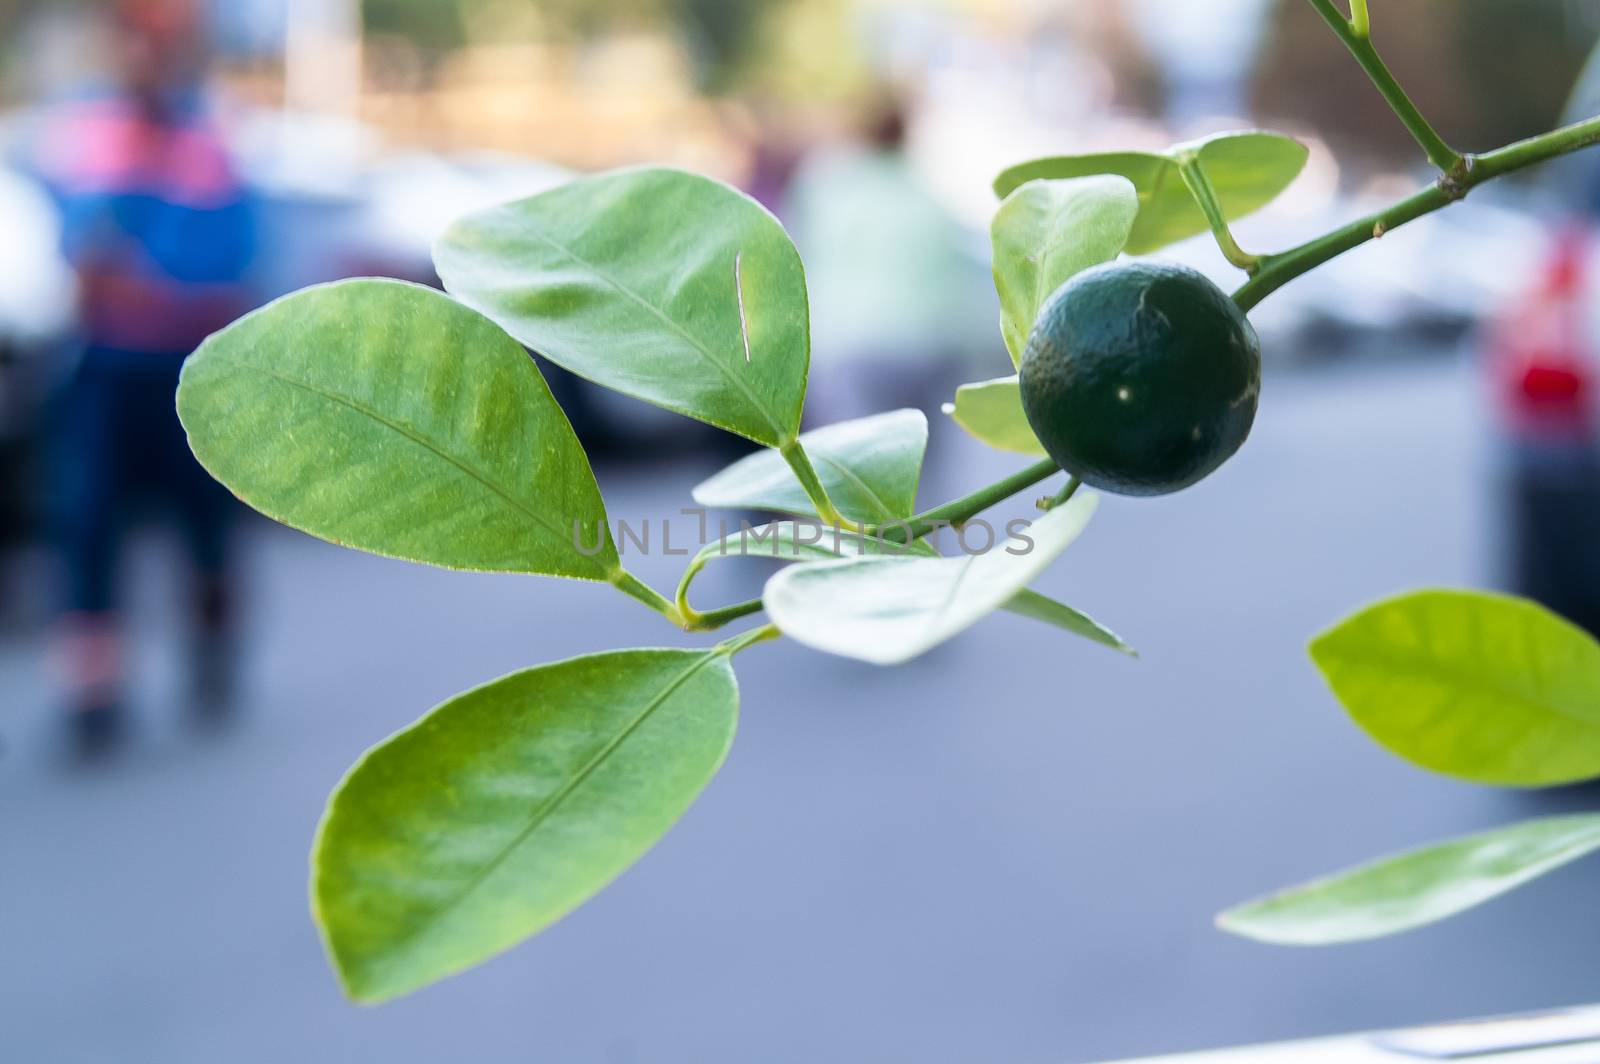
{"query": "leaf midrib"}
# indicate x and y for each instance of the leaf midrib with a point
(400, 429)
(1477, 682)
(733, 378)
(884, 510)
(548, 807)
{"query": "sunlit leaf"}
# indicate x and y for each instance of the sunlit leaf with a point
(1247, 169)
(888, 610)
(664, 285)
(388, 417)
(991, 412)
(1484, 687)
(1417, 888)
(870, 468)
(1047, 231)
(509, 806)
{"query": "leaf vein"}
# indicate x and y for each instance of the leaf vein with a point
(661, 315)
(402, 430)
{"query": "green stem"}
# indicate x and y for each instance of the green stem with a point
(1065, 495)
(800, 462)
(1360, 24)
(720, 618)
(710, 621)
(746, 640)
(1355, 32)
(968, 506)
(635, 588)
(1194, 176)
(951, 513)
(1470, 172)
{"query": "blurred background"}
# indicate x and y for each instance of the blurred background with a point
(920, 865)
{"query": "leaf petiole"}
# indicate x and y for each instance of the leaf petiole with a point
(746, 640)
(1360, 23)
(800, 462)
(1194, 176)
(637, 589)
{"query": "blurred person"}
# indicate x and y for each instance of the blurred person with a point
(159, 231)
(896, 284)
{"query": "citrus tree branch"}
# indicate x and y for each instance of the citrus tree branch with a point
(1468, 173)
(968, 506)
(711, 620)
(951, 513)
(1355, 32)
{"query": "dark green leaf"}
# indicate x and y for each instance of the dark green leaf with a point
(1400, 893)
(1047, 231)
(1485, 687)
(870, 468)
(509, 806)
(387, 417)
(661, 284)
(1248, 170)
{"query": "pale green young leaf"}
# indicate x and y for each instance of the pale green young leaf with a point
(888, 610)
(1413, 889)
(1045, 232)
(991, 412)
(387, 417)
(870, 468)
(802, 541)
(1039, 607)
(1247, 169)
(509, 806)
(661, 284)
(1483, 687)
(790, 541)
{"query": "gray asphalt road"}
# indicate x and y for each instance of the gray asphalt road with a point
(1010, 851)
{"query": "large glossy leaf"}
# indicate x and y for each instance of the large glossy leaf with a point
(1247, 169)
(661, 284)
(991, 412)
(1047, 231)
(1400, 893)
(387, 417)
(508, 806)
(870, 468)
(888, 610)
(1485, 687)
(789, 541)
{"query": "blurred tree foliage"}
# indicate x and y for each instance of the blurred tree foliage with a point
(433, 25)
(1485, 72)
(718, 33)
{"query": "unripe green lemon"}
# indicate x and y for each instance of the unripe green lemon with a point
(1140, 377)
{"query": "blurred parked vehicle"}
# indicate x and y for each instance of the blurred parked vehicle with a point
(36, 294)
(1541, 357)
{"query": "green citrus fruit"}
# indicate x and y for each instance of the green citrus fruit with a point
(1141, 378)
